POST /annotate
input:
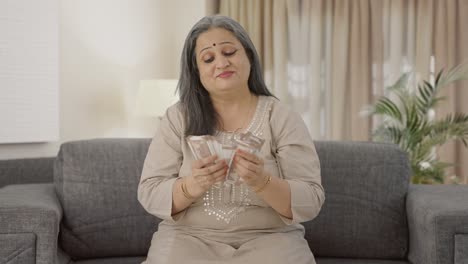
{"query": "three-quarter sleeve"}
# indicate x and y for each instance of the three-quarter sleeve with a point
(161, 167)
(299, 164)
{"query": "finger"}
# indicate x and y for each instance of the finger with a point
(248, 156)
(212, 168)
(215, 174)
(248, 165)
(243, 172)
(197, 164)
(216, 177)
(220, 178)
(220, 175)
(209, 160)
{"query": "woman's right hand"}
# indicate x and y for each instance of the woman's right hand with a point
(205, 173)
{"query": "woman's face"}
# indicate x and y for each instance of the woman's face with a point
(222, 62)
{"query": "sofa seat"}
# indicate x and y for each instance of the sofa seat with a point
(90, 214)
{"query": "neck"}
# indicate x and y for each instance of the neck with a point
(234, 111)
(232, 101)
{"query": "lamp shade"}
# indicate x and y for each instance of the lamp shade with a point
(155, 96)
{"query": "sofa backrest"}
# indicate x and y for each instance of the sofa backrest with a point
(96, 182)
(364, 214)
(29, 170)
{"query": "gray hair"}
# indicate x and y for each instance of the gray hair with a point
(199, 114)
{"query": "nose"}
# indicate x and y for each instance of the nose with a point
(222, 62)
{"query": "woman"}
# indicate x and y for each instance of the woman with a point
(222, 93)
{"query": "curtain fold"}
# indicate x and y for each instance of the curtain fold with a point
(462, 92)
(327, 59)
(450, 40)
(277, 72)
(315, 44)
(339, 64)
(359, 72)
(423, 37)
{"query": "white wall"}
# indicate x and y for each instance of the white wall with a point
(106, 47)
(29, 62)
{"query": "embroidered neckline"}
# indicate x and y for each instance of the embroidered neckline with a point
(255, 125)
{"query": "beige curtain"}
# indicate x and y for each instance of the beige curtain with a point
(351, 80)
(329, 58)
(450, 40)
(314, 43)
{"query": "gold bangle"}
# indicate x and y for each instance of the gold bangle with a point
(185, 191)
(265, 185)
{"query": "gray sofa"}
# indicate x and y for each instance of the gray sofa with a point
(89, 212)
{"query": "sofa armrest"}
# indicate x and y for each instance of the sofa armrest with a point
(438, 224)
(30, 217)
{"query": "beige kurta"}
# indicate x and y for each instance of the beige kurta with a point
(258, 234)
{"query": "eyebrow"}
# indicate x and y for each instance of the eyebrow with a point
(221, 43)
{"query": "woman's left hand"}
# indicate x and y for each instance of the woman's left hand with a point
(250, 168)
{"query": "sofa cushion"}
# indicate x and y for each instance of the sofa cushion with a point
(461, 248)
(32, 213)
(364, 213)
(18, 248)
(96, 181)
(437, 220)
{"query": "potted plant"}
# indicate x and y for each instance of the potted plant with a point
(408, 120)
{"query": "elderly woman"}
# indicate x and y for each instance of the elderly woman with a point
(222, 94)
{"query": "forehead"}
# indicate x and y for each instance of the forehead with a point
(214, 36)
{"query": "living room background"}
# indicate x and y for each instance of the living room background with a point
(327, 59)
(105, 48)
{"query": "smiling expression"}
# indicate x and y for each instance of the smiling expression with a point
(222, 62)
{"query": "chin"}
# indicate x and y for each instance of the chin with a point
(226, 86)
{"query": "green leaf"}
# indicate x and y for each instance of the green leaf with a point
(401, 83)
(406, 122)
(386, 107)
(437, 79)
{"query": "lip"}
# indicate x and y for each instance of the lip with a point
(225, 74)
